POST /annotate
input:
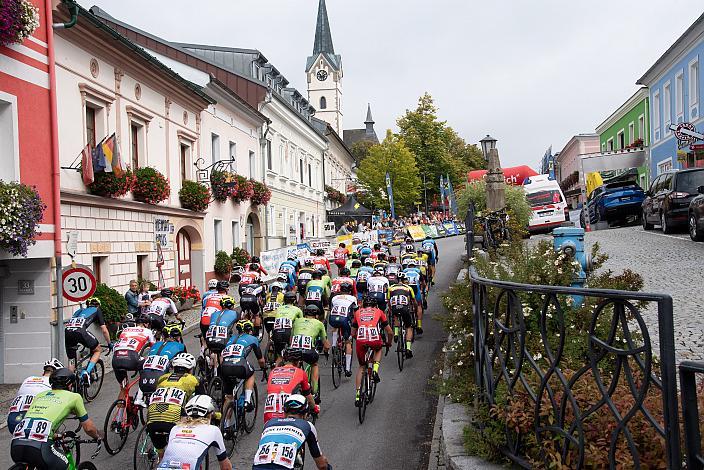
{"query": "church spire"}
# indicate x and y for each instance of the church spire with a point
(369, 122)
(323, 37)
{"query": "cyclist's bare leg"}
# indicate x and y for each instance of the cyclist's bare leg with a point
(248, 387)
(314, 375)
(348, 354)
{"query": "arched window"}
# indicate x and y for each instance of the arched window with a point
(323, 103)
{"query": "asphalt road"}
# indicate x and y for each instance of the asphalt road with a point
(397, 431)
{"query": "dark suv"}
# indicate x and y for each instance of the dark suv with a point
(667, 201)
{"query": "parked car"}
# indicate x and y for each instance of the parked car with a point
(696, 216)
(667, 200)
(614, 203)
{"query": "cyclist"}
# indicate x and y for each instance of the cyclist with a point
(413, 276)
(341, 256)
(212, 289)
(283, 438)
(160, 308)
(221, 325)
(274, 299)
(402, 300)
(33, 439)
(354, 268)
(367, 322)
(353, 256)
(392, 271)
(166, 403)
(320, 260)
(255, 264)
(286, 380)
(305, 274)
(306, 333)
(317, 292)
(290, 266)
(364, 273)
(77, 333)
(431, 249)
(343, 278)
(127, 356)
(344, 304)
(327, 281)
(283, 322)
(408, 253)
(252, 297)
(381, 262)
(30, 387)
(236, 367)
(159, 360)
(211, 304)
(194, 434)
(365, 251)
(252, 275)
(378, 287)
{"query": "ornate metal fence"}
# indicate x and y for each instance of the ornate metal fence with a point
(690, 411)
(512, 361)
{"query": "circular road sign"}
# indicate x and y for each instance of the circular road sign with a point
(78, 283)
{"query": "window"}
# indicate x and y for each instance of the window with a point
(100, 264)
(693, 88)
(269, 161)
(641, 127)
(656, 115)
(134, 144)
(300, 168)
(252, 166)
(271, 215)
(217, 228)
(663, 166)
(215, 147)
(310, 175)
(281, 158)
(90, 126)
(142, 267)
(631, 133)
(233, 151)
(620, 140)
(235, 234)
(603, 146)
(610, 145)
(679, 96)
(184, 150)
(323, 103)
(667, 107)
(9, 138)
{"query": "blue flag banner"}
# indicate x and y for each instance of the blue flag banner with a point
(442, 192)
(451, 196)
(390, 192)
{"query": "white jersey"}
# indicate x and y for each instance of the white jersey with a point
(162, 306)
(28, 390)
(188, 446)
(378, 285)
(134, 338)
(342, 305)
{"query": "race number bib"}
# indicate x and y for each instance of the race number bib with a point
(216, 332)
(207, 313)
(75, 323)
(282, 323)
(377, 288)
(157, 309)
(271, 306)
(302, 342)
(33, 429)
(233, 350)
(368, 333)
(251, 290)
(169, 396)
(127, 344)
(276, 454)
(21, 403)
(339, 310)
(160, 363)
(313, 295)
(305, 276)
(275, 402)
(362, 276)
(399, 301)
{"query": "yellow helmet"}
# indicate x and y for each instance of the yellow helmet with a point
(173, 329)
(227, 302)
(93, 300)
(245, 326)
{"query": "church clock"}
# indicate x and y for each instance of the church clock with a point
(322, 75)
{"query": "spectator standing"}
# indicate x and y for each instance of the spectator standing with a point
(132, 298)
(145, 298)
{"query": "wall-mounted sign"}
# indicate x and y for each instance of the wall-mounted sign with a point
(78, 283)
(686, 134)
(162, 229)
(25, 287)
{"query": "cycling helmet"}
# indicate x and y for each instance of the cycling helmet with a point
(323, 271)
(144, 319)
(167, 293)
(344, 272)
(282, 277)
(346, 288)
(392, 259)
(290, 297)
(255, 260)
(291, 257)
(184, 360)
(200, 406)
(213, 284)
(369, 301)
(381, 256)
(311, 310)
(354, 256)
(369, 262)
(317, 274)
(53, 363)
(356, 263)
(296, 404)
(62, 379)
(128, 322)
(93, 302)
(244, 326)
(308, 262)
(378, 272)
(293, 355)
(173, 329)
(402, 277)
(320, 252)
(227, 302)
(253, 266)
(377, 246)
(223, 285)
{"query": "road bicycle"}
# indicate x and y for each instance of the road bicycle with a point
(145, 455)
(70, 445)
(337, 365)
(89, 387)
(495, 229)
(400, 337)
(235, 419)
(122, 416)
(367, 392)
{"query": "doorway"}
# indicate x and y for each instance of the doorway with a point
(183, 248)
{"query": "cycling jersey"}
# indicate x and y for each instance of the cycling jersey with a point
(286, 312)
(284, 381)
(316, 291)
(221, 324)
(239, 347)
(273, 303)
(84, 317)
(338, 281)
(210, 306)
(369, 321)
(249, 277)
(250, 295)
(157, 362)
(25, 395)
(304, 276)
(289, 266)
(189, 444)
(208, 293)
(321, 262)
(162, 307)
(133, 339)
(401, 298)
(213, 300)
(327, 282)
(341, 312)
(364, 273)
(413, 276)
(306, 331)
(340, 255)
(46, 413)
(377, 285)
(281, 440)
(422, 260)
(381, 265)
(408, 256)
(173, 391)
(76, 331)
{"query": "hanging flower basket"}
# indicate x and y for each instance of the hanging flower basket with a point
(262, 193)
(18, 20)
(21, 210)
(221, 185)
(245, 190)
(334, 195)
(194, 196)
(108, 185)
(150, 186)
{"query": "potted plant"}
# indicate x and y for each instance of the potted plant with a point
(245, 190)
(21, 210)
(150, 186)
(113, 305)
(18, 21)
(223, 185)
(185, 296)
(223, 264)
(107, 184)
(239, 256)
(261, 194)
(194, 196)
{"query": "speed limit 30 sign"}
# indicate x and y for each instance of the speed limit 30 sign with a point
(78, 283)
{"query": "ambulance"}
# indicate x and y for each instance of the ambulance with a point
(547, 203)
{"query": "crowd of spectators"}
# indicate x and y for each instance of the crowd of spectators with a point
(382, 223)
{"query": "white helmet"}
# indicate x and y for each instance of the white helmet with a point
(213, 284)
(412, 262)
(184, 360)
(200, 406)
(55, 363)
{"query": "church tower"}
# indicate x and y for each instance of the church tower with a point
(324, 74)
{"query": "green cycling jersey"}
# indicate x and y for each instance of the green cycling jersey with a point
(311, 327)
(288, 311)
(319, 283)
(55, 406)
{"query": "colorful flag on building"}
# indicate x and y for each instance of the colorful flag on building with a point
(117, 166)
(98, 159)
(390, 192)
(442, 191)
(87, 165)
(108, 145)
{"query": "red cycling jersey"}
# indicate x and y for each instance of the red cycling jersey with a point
(249, 277)
(369, 321)
(321, 262)
(133, 339)
(261, 269)
(338, 281)
(284, 381)
(212, 305)
(340, 256)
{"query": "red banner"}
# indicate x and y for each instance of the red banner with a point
(513, 175)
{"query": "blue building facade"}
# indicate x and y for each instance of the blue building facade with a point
(676, 91)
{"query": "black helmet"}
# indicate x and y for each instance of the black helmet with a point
(254, 260)
(290, 297)
(346, 288)
(293, 355)
(308, 262)
(377, 246)
(317, 274)
(223, 285)
(144, 319)
(62, 379)
(356, 263)
(323, 271)
(321, 252)
(253, 266)
(355, 256)
(369, 301)
(167, 292)
(381, 256)
(311, 310)
(344, 272)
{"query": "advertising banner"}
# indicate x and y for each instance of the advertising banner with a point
(416, 232)
(441, 230)
(346, 239)
(329, 229)
(386, 236)
(431, 231)
(324, 243)
(451, 228)
(271, 260)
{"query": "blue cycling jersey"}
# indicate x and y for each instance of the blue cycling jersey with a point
(280, 442)
(239, 346)
(224, 318)
(89, 316)
(167, 348)
(413, 275)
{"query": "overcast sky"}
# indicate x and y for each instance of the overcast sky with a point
(532, 73)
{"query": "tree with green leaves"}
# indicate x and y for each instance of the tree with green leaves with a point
(393, 156)
(360, 150)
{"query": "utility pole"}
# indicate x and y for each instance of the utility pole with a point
(425, 194)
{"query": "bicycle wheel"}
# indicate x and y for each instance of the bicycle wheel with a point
(401, 348)
(336, 367)
(250, 417)
(96, 381)
(363, 391)
(202, 369)
(116, 427)
(270, 353)
(372, 387)
(228, 427)
(145, 456)
(86, 466)
(216, 389)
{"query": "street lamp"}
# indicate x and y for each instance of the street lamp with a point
(488, 144)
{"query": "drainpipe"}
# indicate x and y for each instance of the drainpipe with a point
(262, 146)
(72, 9)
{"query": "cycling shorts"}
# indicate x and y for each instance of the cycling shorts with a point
(416, 290)
(148, 379)
(361, 288)
(362, 346)
(124, 361)
(234, 371)
(310, 356)
(380, 298)
(319, 304)
(343, 323)
(281, 338)
(216, 345)
(38, 454)
(406, 316)
(302, 285)
(156, 322)
(204, 330)
(74, 337)
(269, 324)
(250, 303)
(159, 433)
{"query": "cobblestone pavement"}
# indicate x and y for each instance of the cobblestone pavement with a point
(671, 264)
